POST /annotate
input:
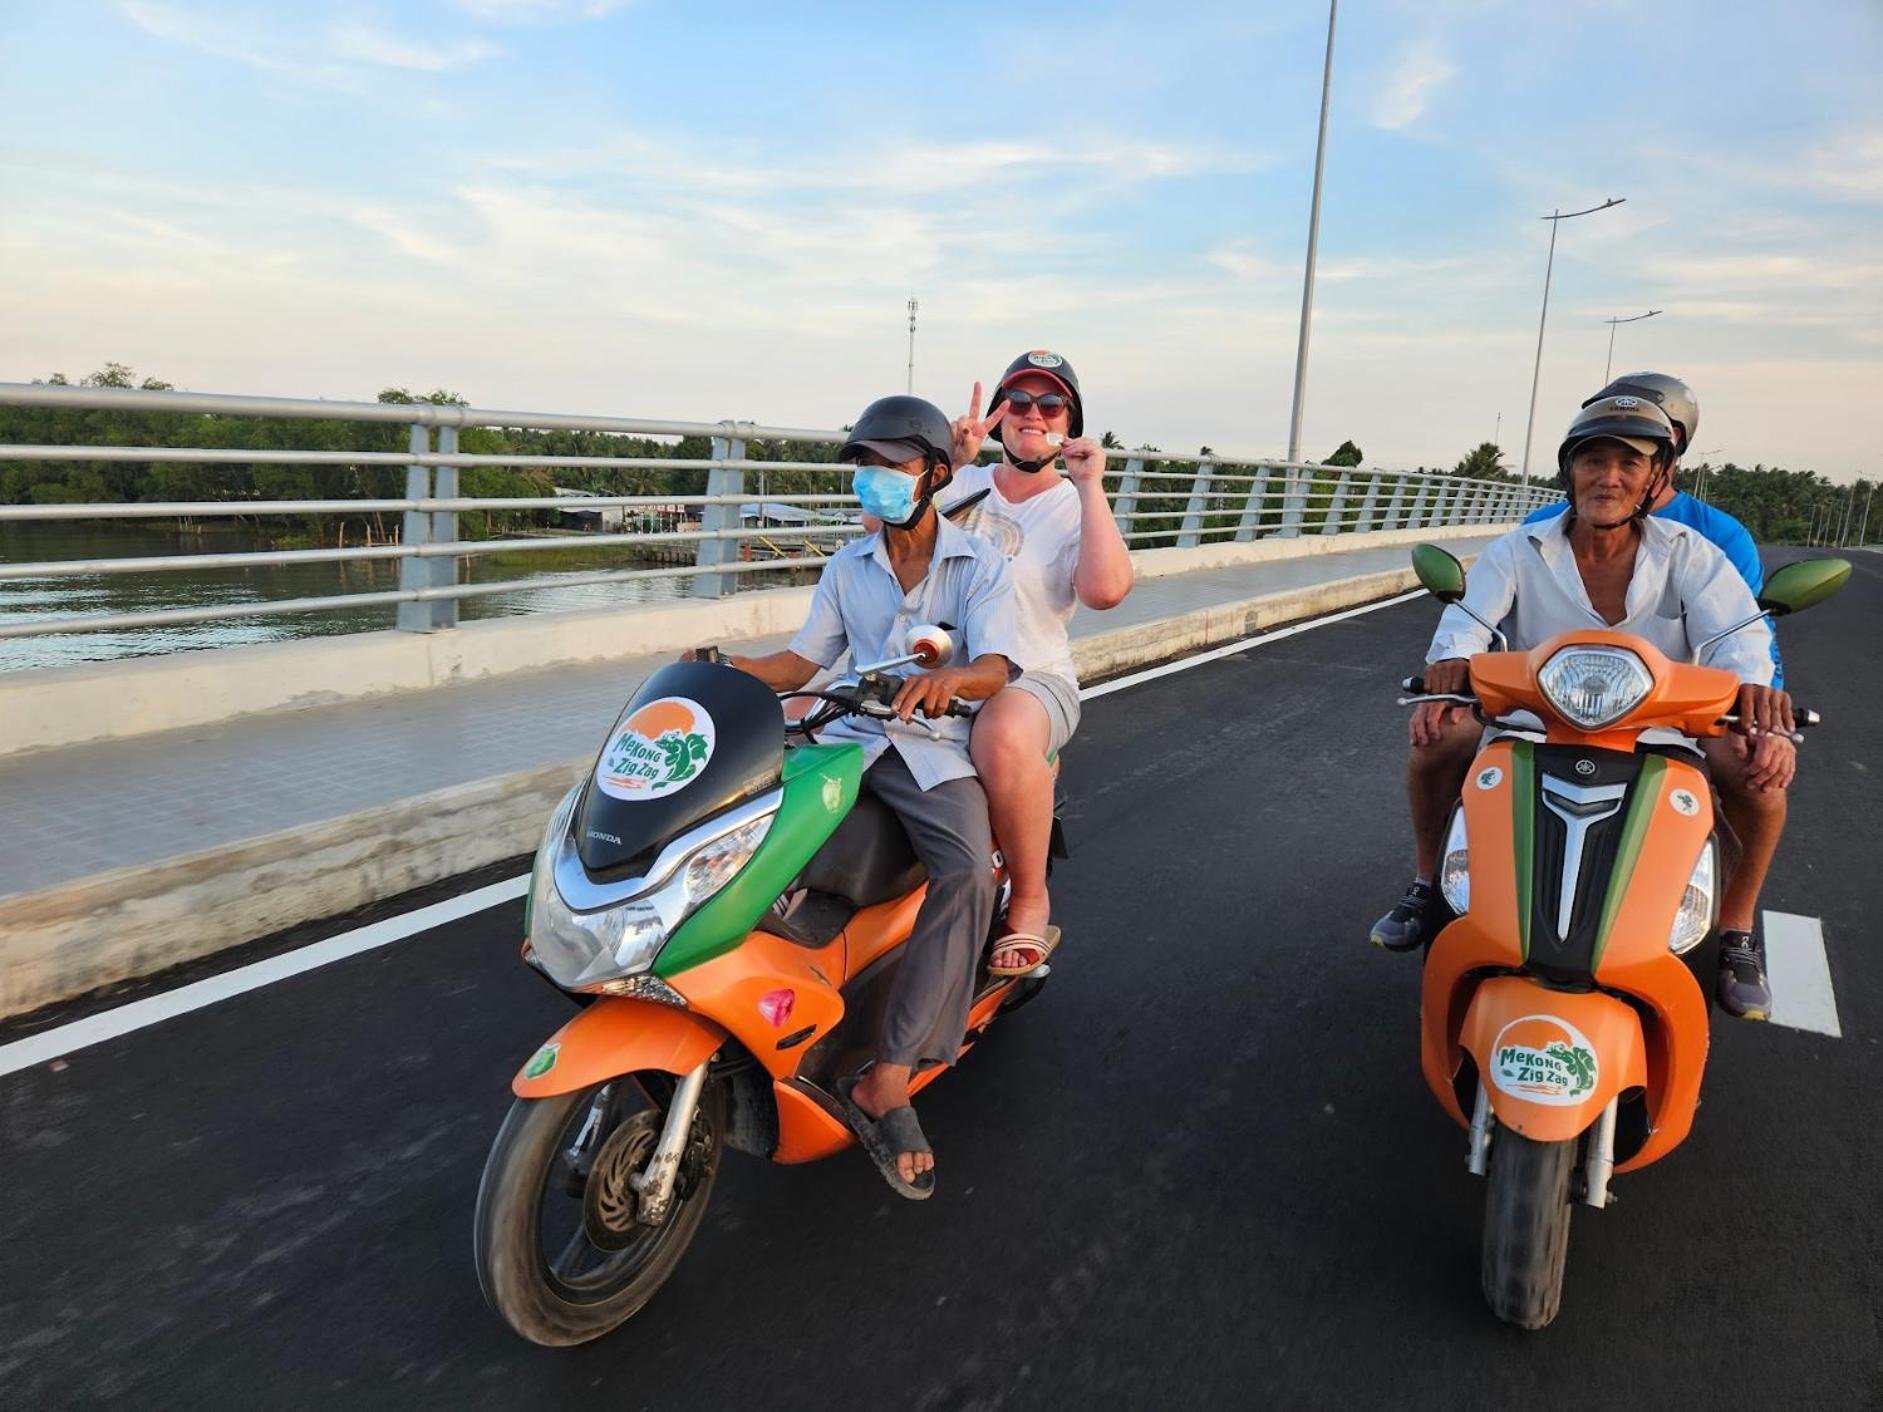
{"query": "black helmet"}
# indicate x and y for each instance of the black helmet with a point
(1042, 360)
(1665, 391)
(1634, 420)
(891, 425)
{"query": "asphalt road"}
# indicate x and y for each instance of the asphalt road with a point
(1202, 1171)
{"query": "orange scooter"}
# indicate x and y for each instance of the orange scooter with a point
(729, 912)
(1562, 1019)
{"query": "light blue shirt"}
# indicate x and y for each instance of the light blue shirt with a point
(859, 605)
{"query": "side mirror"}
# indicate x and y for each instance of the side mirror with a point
(1803, 585)
(1440, 572)
(931, 646)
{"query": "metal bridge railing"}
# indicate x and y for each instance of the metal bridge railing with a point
(1220, 498)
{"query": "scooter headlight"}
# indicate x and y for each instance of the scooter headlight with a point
(595, 949)
(1594, 686)
(1454, 871)
(1699, 904)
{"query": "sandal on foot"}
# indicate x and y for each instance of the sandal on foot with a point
(886, 1138)
(1023, 941)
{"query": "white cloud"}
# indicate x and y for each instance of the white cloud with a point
(539, 11)
(1851, 165)
(201, 32)
(1422, 70)
(375, 47)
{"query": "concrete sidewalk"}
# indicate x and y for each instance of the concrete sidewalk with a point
(123, 857)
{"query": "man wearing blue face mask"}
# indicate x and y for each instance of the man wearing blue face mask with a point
(917, 568)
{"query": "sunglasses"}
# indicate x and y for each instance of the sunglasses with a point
(1048, 403)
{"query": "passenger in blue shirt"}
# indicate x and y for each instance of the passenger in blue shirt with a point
(1755, 802)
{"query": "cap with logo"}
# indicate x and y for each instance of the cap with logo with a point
(1633, 421)
(1665, 391)
(1048, 364)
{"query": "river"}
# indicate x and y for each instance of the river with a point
(24, 600)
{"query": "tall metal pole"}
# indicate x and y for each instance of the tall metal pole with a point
(1608, 367)
(911, 387)
(1314, 240)
(1850, 503)
(1497, 437)
(1864, 524)
(1554, 218)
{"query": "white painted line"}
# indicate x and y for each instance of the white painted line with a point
(1800, 974)
(96, 1029)
(1186, 663)
(110, 1024)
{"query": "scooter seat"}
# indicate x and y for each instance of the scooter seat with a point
(869, 858)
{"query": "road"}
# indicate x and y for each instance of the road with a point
(1201, 1171)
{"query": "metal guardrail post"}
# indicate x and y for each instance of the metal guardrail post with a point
(1191, 533)
(1331, 525)
(444, 572)
(1364, 520)
(1391, 519)
(1125, 503)
(1419, 516)
(1295, 506)
(1251, 522)
(727, 477)
(415, 529)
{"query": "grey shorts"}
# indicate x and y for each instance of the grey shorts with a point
(1060, 697)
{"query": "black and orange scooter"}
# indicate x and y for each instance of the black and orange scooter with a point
(1562, 1021)
(729, 912)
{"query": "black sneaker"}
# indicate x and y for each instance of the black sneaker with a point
(1743, 990)
(1405, 927)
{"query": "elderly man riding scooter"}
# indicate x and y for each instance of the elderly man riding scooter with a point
(1606, 562)
(917, 568)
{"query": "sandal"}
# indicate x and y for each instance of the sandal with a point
(884, 1139)
(1022, 942)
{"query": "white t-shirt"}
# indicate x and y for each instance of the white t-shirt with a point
(1040, 538)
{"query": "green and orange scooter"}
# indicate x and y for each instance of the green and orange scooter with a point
(729, 912)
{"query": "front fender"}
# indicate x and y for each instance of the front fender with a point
(1552, 1060)
(616, 1036)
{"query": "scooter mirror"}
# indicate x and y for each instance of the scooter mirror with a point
(931, 646)
(1803, 585)
(1439, 572)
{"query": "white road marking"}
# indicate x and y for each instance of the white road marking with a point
(110, 1024)
(1800, 973)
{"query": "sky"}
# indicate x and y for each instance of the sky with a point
(715, 208)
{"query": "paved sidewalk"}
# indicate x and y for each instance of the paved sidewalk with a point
(76, 812)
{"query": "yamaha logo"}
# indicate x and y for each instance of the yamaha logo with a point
(1585, 768)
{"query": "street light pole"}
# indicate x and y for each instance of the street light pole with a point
(911, 386)
(1554, 218)
(1610, 364)
(1314, 240)
(1864, 524)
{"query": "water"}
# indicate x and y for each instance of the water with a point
(23, 600)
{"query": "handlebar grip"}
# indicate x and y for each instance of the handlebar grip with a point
(709, 653)
(958, 708)
(1413, 686)
(1801, 717)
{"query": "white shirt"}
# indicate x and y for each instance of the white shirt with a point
(859, 604)
(1039, 537)
(1683, 591)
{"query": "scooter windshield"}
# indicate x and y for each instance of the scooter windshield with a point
(695, 739)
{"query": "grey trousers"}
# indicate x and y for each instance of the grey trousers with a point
(927, 1012)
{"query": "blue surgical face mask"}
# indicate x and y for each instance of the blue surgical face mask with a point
(887, 494)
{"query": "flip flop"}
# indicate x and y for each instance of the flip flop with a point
(883, 1139)
(1045, 945)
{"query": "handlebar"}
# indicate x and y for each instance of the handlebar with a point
(1416, 694)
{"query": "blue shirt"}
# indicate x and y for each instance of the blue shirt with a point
(859, 604)
(1733, 539)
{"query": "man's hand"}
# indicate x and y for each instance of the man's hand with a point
(930, 692)
(1773, 762)
(971, 430)
(1085, 460)
(1763, 710)
(1431, 718)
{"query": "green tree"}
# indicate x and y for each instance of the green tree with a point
(1347, 454)
(1483, 462)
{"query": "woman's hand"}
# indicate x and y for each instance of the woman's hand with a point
(1085, 460)
(971, 430)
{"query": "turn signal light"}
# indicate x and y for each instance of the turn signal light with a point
(776, 1005)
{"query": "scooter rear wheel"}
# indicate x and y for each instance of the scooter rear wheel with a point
(1526, 1227)
(560, 1252)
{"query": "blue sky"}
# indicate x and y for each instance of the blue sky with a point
(706, 210)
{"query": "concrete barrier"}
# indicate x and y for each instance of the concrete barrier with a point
(60, 706)
(64, 941)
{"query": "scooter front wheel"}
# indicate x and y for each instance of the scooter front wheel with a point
(562, 1252)
(1526, 1227)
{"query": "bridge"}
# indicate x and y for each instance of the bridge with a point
(258, 951)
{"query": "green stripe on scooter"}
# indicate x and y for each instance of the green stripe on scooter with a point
(1523, 833)
(1645, 794)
